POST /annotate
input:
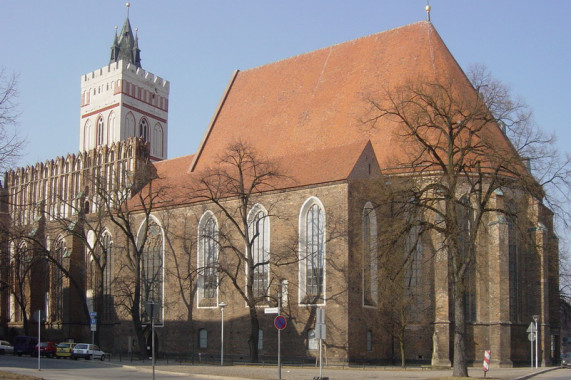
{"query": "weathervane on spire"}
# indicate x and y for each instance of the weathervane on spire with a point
(427, 8)
(127, 5)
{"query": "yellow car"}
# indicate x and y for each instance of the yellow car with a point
(64, 350)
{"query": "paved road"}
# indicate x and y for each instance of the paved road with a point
(53, 369)
(560, 374)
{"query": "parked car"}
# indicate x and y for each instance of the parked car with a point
(24, 345)
(87, 351)
(6, 347)
(566, 360)
(64, 350)
(47, 349)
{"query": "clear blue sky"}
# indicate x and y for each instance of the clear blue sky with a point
(196, 45)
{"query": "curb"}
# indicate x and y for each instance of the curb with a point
(536, 373)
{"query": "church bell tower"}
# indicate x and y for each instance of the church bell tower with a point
(121, 100)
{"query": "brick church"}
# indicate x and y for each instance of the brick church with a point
(82, 232)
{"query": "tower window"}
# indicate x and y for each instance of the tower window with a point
(100, 131)
(144, 129)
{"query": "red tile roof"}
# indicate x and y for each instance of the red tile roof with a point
(317, 101)
(306, 112)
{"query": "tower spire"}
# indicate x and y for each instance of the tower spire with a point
(125, 46)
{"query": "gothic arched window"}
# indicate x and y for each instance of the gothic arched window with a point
(87, 135)
(107, 254)
(207, 260)
(514, 263)
(312, 252)
(144, 129)
(129, 125)
(100, 132)
(157, 140)
(55, 301)
(465, 215)
(152, 277)
(369, 256)
(259, 231)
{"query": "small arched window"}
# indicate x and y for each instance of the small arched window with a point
(87, 135)
(100, 132)
(157, 139)
(144, 129)
(129, 125)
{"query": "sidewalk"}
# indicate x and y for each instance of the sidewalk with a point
(270, 372)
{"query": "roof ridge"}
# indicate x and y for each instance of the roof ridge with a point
(337, 44)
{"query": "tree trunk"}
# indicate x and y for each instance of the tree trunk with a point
(254, 334)
(460, 368)
(402, 357)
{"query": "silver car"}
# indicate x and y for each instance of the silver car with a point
(6, 347)
(87, 351)
(566, 360)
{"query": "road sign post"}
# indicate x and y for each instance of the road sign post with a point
(93, 325)
(536, 319)
(320, 333)
(40, 317)
(487, 356)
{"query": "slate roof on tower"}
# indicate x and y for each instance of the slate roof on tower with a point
(126, 46)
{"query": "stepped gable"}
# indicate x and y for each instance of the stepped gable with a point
(317, 101)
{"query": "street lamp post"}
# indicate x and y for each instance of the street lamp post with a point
(222, 305)
(280, 335)
(535, 319)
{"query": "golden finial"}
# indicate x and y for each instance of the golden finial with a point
(427, 9)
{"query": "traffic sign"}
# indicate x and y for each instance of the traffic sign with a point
(531, 328)
(93, 314)
(40, 316)
(531, 336)
(271, 310)
(280, 322)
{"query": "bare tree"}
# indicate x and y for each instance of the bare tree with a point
(403, 299)
(232, 187)
(457, 157)
(10, 143)
(19, 262)
(138, 273)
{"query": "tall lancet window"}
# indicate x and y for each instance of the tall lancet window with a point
(514, 264)
(55, 301)
(465, 216)
(207, 260)
(106, 253)
(369, 256)
(259, 231)
(312, 253)
(152, 266)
